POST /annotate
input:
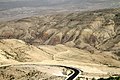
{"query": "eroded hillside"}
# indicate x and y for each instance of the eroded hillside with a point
(87, 40)
(87, 30)
(27, 60)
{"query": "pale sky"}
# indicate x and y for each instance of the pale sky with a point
(23, 8)
(59, 3)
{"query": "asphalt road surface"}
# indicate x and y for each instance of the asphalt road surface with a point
(73, 76)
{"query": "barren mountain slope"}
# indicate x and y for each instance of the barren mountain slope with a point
(12, 51)
(17, 52)
(87, 30)
(89, 41)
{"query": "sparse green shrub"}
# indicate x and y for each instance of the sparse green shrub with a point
(93, 79)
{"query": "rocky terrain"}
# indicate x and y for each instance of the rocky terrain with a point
(87, 40)
(93, 30)
(28, 72)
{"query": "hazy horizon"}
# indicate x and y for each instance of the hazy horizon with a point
(21, 8)
(9, 4)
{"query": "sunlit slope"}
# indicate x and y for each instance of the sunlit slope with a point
(90, 39)
(92, 30)
(12, 50)
(18, 51)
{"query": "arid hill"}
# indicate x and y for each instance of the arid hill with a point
(86, 30)
(18, 53)
(87, 40)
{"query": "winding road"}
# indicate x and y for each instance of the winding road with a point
(73, 76)
(75, 73)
